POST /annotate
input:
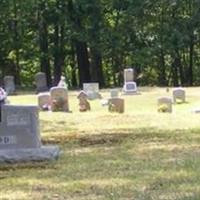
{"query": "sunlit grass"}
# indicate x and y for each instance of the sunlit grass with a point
(140, 154)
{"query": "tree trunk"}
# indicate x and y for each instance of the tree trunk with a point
(73, 66)
(83, 62)
(43, 40)
(162, 73)
(191, 55)
(96, 67)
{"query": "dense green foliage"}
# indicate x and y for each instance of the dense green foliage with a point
(94, 40)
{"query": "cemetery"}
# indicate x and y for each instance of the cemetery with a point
(99, 100)
(102, 152)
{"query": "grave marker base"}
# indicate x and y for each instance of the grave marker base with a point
(44, 153)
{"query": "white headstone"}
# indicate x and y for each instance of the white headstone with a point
(178, 93)
(130, 88)
(41, 82)
(9, 84)
(92, 90)
(44, 101)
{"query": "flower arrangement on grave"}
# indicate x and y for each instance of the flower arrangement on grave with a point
(3, 95)
(112, 107)
(58, 104)
(163, 108)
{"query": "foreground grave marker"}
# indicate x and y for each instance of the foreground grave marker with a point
(20, 136)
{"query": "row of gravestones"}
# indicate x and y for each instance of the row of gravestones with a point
(165, 103)
(129, 87)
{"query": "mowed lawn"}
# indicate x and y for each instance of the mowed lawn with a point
(141, 154)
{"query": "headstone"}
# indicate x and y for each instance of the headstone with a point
(116, 105)
(20, 136)
(44, 101)
(128, 75)
(62, 82)
(41, 82)
(9, 84)
(130, 87)
(59, 99)
(178, 93)
(92, 90)
(165, 104)
(84, 105)
(114, 93)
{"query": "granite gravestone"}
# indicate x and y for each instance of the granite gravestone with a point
(20, 136)
(59, 99)
(178, 94)
(41, 82)
(130, 87)
(92, 90)
(9, 84)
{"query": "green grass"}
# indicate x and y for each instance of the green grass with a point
(140, 154)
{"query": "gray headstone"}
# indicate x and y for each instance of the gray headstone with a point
(92, 90)
(114, 93)
(19, 127)
(20, 136)
(41, 82)
(9, 84)
(178, 93)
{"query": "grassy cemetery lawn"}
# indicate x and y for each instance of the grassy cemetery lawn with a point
(140, 154)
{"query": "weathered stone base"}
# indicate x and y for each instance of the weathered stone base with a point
(29, 154)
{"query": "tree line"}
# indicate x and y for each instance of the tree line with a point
(94, 40)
